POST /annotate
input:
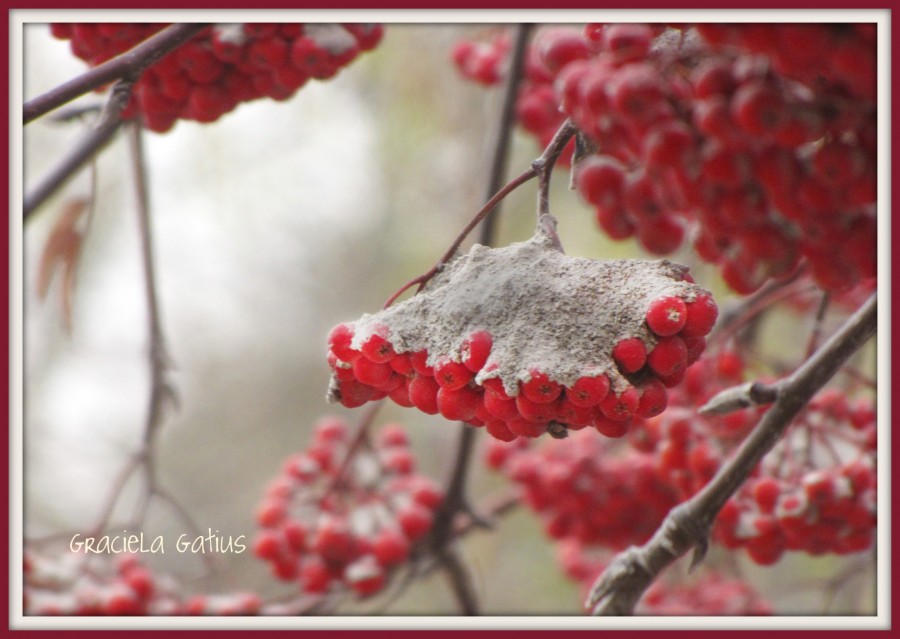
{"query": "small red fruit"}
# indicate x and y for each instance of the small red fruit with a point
(588, 391)
(540, 388)
(666, 315)
(630, 354)
(476, 349)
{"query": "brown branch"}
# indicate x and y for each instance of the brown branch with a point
(85, 149)
(618, 589)
(128, 65)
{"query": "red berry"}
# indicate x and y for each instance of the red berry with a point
(476, 349)
(390, 546)
(368, 372)
(526, 428)
(400, 394)
(620, 406)
(365, 575)
(600, 180)
(415, 520)
(451, 375)
(576, 417)
(588, 391)
(401, 364)
(333, 540)
(458, 404)
(499, 408)
(267, 545)
(613, 428)
(669, 357)
(315, 577)
(534, 411)
(630, 354)
(498, 430)
(377, 348)
(540, 388)
(701, 316)
(339, 342)
(666, 315)
(654, 398)
(558, 46)
(419, 363)
(627, 42)
(354, 394)
(766, 492)
(423, 394)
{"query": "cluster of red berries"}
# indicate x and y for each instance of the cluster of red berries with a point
(115, 585)
(589, 491)
(368, 367)
(224, 65)
(584, 491)
(689, 447)
(338, 518)
(765, 146)
(806, 495)
(795, 504)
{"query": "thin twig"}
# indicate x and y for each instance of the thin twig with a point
(618, 589)
(818, 321)
(161, 390)
(127, 65)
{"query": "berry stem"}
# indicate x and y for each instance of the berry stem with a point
(618, 589)
(127, 65)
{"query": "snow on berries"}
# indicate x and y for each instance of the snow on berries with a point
(223, 65)
(524, 339)
(331, 522)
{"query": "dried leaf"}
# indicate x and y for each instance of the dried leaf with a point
(61, 252)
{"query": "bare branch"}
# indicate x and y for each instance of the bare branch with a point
(687, 526)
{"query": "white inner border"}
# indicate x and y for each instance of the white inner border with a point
(17, 20)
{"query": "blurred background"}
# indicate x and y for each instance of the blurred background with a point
(272, 225)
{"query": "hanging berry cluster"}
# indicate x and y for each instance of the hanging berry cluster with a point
(758, 141)
(795, 503)
(335, 520)
(524, 339)
(224, 65)
(585, 491)
(115, 585)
